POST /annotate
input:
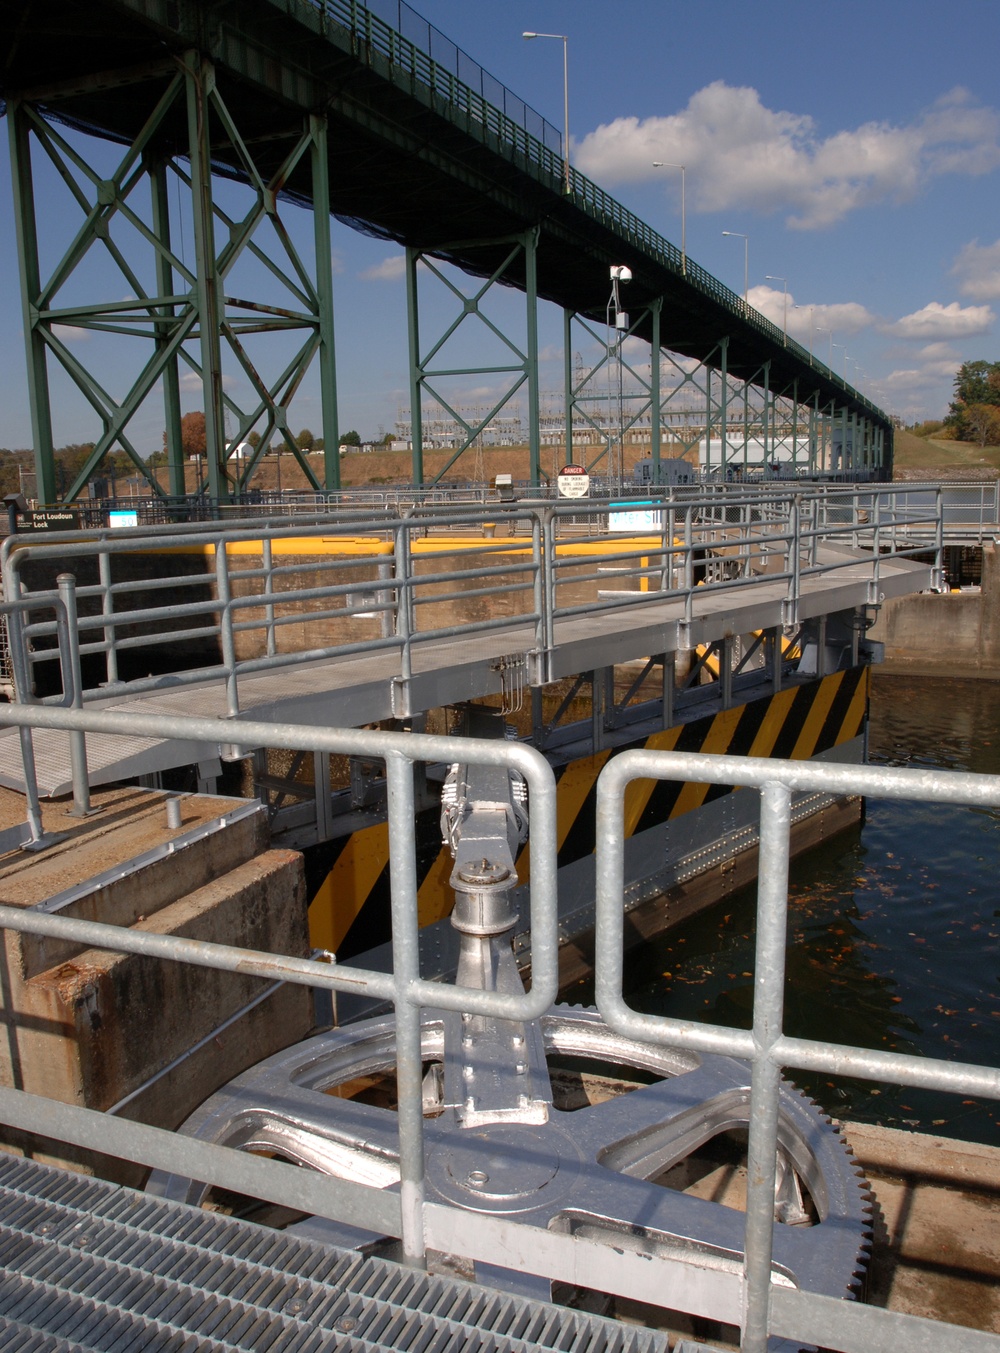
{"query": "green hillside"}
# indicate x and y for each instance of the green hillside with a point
(924, 456)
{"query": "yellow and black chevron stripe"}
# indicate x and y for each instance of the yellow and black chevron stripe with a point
(349, 911)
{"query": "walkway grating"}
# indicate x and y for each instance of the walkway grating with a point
(91, 1267)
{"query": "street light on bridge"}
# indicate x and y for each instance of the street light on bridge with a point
(812, 310)
(821, 329)
(668, 164)
(563, 38)
(737, 234)
(784, 309)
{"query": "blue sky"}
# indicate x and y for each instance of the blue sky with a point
(856, 144)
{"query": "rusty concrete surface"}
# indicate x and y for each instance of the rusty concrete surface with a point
(937, 1225)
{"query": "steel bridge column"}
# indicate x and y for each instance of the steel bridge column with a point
(570, 396)
(843, 436)
(534, 406)
(34, 342)
(522, 369)
(855, 444)
(200, 80)
(815, 434)
(324, 301)
(708, 419)
(656, 310)
(724, 405)
(416, 372)
(746, 421)
(768, 409)
(795, 424)
(165, 287)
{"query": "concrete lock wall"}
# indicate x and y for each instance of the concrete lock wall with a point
(954, 632)
(92, 1027)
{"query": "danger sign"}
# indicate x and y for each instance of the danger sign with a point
(573, 481)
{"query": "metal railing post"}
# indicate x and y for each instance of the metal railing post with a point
(791, 606)
(938, 573)
(549, 561)
(688, 567)
(538, 582)
(406, 971)
(108, 608)
(667, 580)
(404, 597)
(228, 639)
(768, 1007)
(268, 562)
(66, 583)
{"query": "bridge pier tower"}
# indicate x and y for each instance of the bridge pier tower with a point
(204, 273)
(431, 360)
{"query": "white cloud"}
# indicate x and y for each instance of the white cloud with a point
(191, 383)
(389, 270)
(937, 321)
(812, 325)
(842, 317)
(70, 334)
(939, 360)
(977, 267)
(908, 379)
(940, 352)
(740, 154)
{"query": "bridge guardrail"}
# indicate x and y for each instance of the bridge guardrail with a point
(849, 1327)
(511, 126)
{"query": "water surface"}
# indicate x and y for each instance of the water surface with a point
(894, 938)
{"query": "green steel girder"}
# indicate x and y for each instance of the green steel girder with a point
(172, 318)
(522, 370)
(416, 154)
(769, 420)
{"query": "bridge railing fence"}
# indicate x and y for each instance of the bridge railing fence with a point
(180, 604)
(408, 41)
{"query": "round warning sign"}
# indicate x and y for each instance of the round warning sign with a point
(573, 481)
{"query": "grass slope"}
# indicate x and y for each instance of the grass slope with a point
(923, 457)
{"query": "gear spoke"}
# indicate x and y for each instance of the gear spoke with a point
(652, 1107)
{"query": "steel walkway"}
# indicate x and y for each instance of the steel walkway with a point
(358, 689)
(87, 1265)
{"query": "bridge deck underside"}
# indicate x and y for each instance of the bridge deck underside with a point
(358, 689)
(404, 162)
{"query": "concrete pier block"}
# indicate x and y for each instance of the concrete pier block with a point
(92, 1027)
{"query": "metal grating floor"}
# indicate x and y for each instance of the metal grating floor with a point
(90, 1267)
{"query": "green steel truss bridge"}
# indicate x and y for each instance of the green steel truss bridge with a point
(388, 127)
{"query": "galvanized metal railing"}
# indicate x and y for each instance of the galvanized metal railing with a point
(748, 1297)
(769, 1309)
(371, 585)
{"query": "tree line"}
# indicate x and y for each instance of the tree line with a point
(974, 413)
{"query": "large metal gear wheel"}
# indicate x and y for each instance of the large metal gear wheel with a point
(594, 1168)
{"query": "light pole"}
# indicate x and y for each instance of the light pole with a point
(563, 38)
(821, 329)
(844, 346)
(784, 307)
(811, 309)
(737, 234)
(668, 164)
